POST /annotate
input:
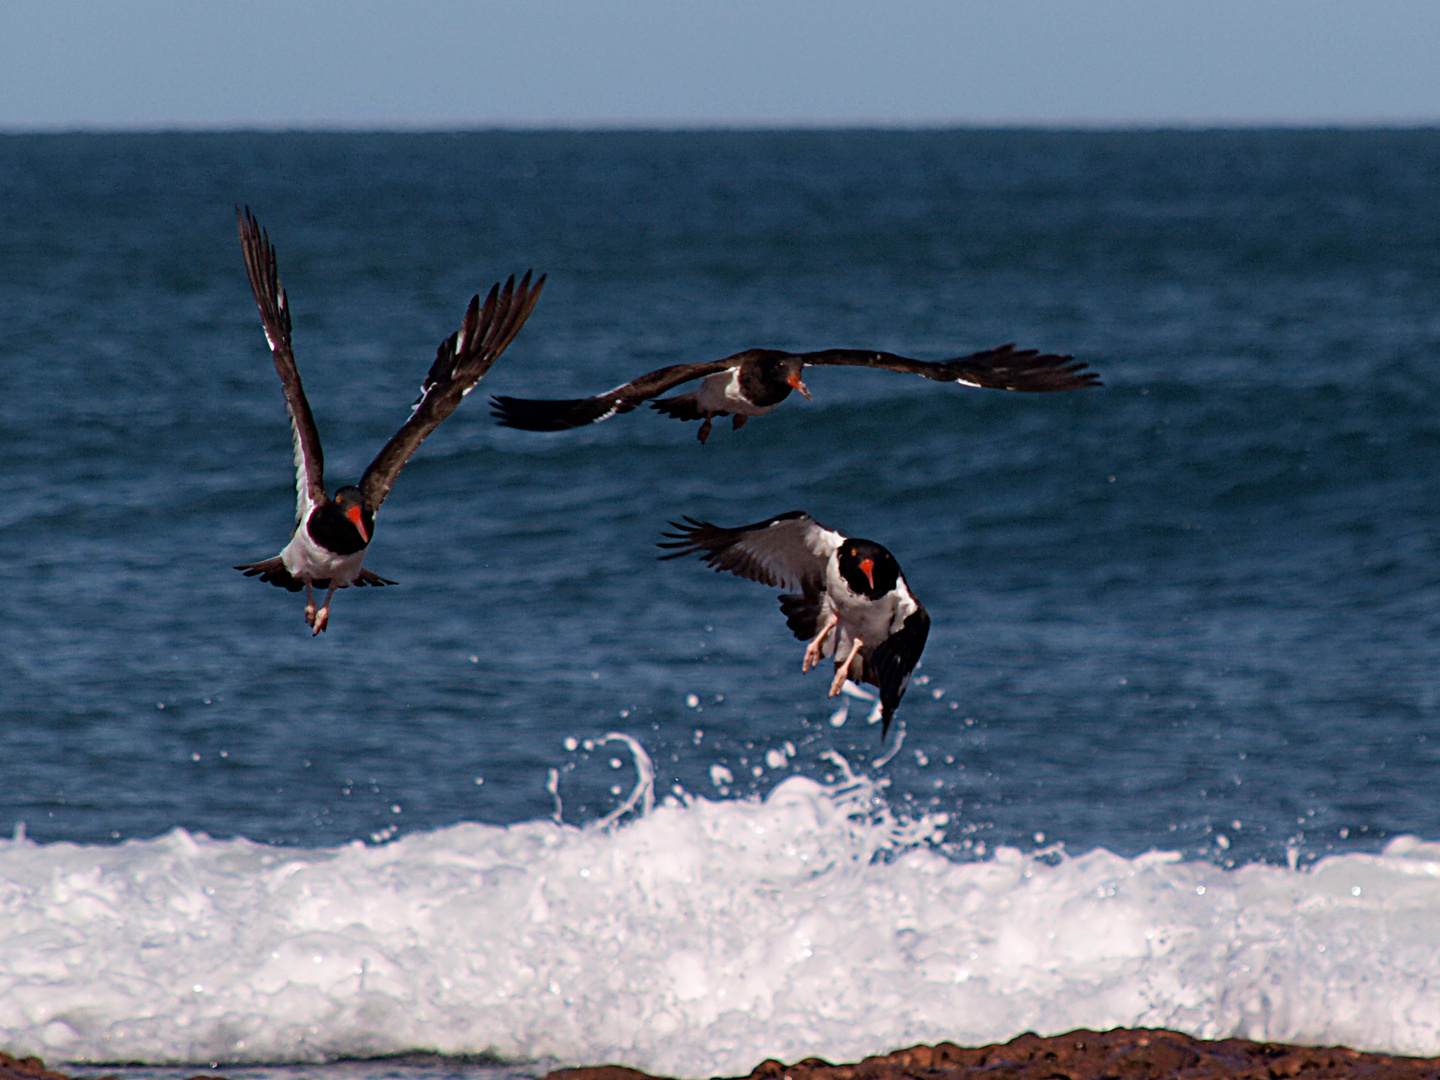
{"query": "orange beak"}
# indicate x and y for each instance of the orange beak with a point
(358, 521)
(794, 380)
(867, 567)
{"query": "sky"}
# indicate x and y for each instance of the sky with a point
(445, 64)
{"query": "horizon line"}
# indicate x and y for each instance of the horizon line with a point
(698, 126)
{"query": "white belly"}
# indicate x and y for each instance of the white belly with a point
(307, 561)
(720, 393)
(872, 621)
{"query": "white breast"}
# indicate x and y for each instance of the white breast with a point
(307, 561)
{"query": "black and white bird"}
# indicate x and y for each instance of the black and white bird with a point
(753, 382)
(331, 535)
(853, 603)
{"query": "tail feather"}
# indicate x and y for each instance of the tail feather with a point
(272, 571)
(681, 407)
(365, 577)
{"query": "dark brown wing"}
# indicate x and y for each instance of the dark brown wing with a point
(893, 661)
(1005, 368)
(275, 315)
(460, 362)
(532, 414)
(789, 551)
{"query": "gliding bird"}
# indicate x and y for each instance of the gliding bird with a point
(753, 382)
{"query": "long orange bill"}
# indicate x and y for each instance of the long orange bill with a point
(358, 521)
(867, 567)
(794, 380)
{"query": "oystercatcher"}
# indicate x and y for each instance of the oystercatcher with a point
(753, 382)
(331, 536)
(853, 602)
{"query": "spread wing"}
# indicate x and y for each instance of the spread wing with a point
(1005, 368)
(789, 551)
(275, 315)
(893, 661)
(460, 362)
(530, 414)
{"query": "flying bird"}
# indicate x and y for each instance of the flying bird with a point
(852, 603)
(331, 535)
(753, 382)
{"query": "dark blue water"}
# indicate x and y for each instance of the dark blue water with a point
(1206, 594)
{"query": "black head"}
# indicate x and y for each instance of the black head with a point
(343, 525)
(768, 376)
(869, 569)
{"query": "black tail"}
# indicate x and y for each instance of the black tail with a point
(272, 571)
(365, 577)
(681, 407)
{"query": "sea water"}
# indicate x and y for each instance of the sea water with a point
(695, 941)
(1170, 757)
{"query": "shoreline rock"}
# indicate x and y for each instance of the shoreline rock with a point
(1120, 1054)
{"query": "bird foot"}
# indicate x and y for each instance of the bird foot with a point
(321, 620)
(812, 656)
(309, 614)
(704, 432)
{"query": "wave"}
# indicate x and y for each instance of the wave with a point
(695, 938)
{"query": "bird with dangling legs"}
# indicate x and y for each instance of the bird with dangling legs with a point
(851, 603)
(331, 535)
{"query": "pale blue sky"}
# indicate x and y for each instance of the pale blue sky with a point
(446, 63)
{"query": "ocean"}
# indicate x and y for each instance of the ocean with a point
(1172, 756)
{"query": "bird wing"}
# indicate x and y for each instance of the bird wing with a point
(460, 362)
(893, 661)
(790, 551)
(531, 414)
(275, 315)
(1005, 368)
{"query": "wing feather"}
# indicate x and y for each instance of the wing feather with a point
(460, 362)
(789, 551)
(1003, 368)
(275, 316)
(893, 662)
(534, 414)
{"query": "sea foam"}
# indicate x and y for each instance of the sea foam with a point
(696, 939)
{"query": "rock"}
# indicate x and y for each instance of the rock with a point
(1122, 1054)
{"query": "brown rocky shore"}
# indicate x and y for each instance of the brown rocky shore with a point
(1122, 1054)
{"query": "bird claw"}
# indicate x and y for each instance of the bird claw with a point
(320, 622)
(309, 614)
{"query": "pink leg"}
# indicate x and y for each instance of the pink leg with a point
(817, 643)
(842, 671)
(309, 606)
